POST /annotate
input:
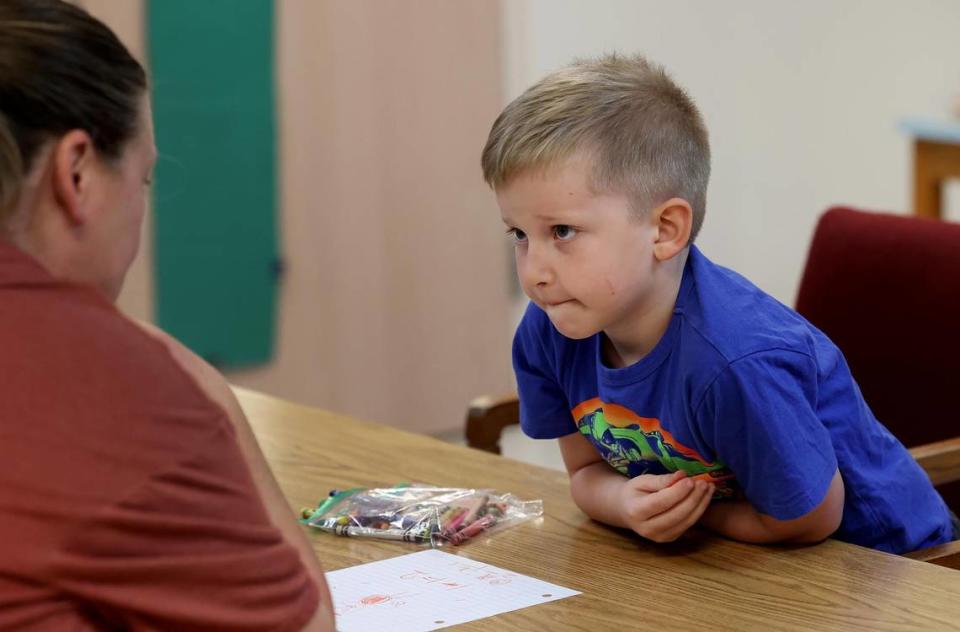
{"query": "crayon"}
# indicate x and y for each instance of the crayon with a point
(472, 529)
(476, 508)
(496, 509)
(454, 522)
(403, 535)
(467, 517)
(447, 518)
(407, 521)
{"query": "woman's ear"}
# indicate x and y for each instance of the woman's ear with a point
(674, 221)
(74, 172)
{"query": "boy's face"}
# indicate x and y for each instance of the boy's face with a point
(585, 258)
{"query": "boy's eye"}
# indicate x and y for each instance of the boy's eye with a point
(564, 232)
(518, 235)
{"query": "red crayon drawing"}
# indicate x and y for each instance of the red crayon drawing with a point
(370, 600)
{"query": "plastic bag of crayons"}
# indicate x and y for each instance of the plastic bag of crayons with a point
(415, 513)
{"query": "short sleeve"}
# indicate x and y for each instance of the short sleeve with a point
(544, 409)
(760, 416)
(191, 549)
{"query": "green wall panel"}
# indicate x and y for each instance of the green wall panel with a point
(216, 252)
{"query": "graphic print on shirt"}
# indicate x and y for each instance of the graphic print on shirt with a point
(637, 445)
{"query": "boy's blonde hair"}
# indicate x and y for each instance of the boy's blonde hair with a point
(644, 135)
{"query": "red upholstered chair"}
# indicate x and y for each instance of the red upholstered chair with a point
(886, 290)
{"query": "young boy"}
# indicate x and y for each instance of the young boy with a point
(695, 397)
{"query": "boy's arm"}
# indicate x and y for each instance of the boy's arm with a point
(658, 507)
(739, 520)
(760, 417)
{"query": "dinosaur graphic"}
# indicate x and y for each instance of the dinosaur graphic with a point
(636, 445)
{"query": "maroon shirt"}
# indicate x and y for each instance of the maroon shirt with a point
(125, 501)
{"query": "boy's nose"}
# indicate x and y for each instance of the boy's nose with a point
(535, 269)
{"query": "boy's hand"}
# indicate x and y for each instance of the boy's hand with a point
(662, 507)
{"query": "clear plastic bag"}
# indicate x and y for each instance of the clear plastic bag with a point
(421, 514)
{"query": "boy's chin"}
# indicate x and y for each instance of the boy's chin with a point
(574, 331)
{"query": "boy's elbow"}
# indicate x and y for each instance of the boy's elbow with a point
(819, 530)
(830, 511)
(823, 520)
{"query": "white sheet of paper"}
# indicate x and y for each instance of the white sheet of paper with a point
(430, 590)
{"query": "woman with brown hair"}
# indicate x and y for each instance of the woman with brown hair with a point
(132, 492)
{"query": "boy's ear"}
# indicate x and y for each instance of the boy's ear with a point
(674, 221)
(74, 172)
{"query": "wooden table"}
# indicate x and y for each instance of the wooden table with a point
(702, 583)
(936, 158)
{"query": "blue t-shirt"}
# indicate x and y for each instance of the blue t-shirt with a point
(740, 389)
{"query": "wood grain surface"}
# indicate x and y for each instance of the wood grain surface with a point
(700, 583)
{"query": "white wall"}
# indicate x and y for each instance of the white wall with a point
(802, 100)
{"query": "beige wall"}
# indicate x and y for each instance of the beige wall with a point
(395, 305)
(126, 19)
